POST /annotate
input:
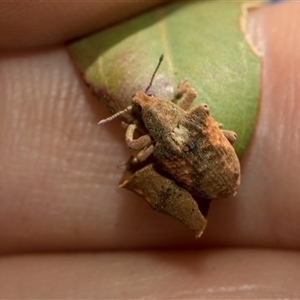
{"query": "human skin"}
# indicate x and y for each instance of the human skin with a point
(67, 231)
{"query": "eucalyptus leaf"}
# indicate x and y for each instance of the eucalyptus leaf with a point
(202, 41)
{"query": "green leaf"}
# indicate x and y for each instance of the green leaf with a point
(201, 41)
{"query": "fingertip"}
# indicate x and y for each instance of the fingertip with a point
(271, 165)
(42, 24)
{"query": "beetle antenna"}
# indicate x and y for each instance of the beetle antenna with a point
(127, 109)
(151, 80)
(115, 115)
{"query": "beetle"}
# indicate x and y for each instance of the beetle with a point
(186, 143)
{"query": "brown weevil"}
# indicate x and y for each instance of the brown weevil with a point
(188, 144)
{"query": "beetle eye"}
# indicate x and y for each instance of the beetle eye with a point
(150, 95)
(139, 107)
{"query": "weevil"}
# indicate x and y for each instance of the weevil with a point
(186, 143)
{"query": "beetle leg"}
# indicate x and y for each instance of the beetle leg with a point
(187, 99)
(183, 85)
(139, 143)
(143, 154)
(188, 93)
(230, 135)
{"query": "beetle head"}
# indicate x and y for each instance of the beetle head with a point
(143, 102)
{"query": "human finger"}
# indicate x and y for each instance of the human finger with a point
(59, 171)
(205, 274)
(38, 23)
